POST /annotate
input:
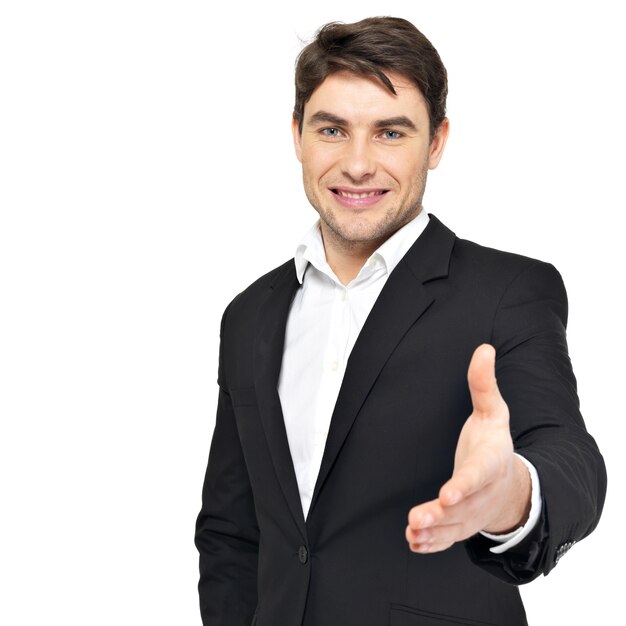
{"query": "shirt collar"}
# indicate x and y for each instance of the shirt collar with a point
(311, 247)
(311, 250)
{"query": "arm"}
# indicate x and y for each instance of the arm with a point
(535, 376)
(227, 534)
(531, 409)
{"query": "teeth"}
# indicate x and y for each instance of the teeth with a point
(359, 195)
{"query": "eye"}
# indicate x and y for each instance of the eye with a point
(332, 133)
(391, 134)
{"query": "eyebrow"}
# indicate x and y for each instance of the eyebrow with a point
(327, 118)
(401, 120)
(330, 118)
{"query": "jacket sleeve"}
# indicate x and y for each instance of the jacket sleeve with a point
(227, 533)
(536, 380)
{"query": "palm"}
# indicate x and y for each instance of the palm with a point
(489, 488)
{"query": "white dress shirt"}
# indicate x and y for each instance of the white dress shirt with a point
(324, 322)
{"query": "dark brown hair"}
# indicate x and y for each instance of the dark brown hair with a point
(372, 47)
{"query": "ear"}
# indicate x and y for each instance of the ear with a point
(297, 139)
(435, 150)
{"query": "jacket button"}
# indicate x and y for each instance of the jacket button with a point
(303, 554)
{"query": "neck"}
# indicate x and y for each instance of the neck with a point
(347, 258)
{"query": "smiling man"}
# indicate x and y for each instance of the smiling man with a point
(366, 466)
(365, 153)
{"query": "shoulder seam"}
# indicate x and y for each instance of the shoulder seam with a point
(534, 263)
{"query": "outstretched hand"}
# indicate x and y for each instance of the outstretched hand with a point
(490, 487)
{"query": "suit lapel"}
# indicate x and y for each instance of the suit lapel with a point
(270, 337)
(402, 301)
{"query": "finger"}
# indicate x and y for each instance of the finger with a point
(436, 513)
(438, 535)
(433, 514)
(465, 482)
(481, 378)
(426, 515)
(428, 548)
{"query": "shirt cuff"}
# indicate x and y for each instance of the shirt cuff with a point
(513, 538)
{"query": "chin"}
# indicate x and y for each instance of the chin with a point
(360, 233)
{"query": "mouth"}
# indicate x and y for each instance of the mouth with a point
(358, 198)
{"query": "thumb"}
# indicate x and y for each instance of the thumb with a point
(481, 377)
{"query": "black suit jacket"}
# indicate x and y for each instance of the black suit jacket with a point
(402, 403)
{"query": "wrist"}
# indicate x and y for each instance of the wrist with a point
(517, 501)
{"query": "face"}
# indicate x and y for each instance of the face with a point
(365, 155)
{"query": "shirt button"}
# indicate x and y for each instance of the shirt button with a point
(344, 295)
(303, 554)
(334, 365)
(372, 262)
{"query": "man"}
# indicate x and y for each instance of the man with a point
(358, 384)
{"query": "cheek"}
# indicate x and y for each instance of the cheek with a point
(405, 174)
(317, 162)
(407, 167)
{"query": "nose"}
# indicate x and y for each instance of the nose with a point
(358, 162)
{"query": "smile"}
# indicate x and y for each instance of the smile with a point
(365, 194)
(357, 198)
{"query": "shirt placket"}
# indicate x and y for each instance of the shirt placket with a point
(333, 366)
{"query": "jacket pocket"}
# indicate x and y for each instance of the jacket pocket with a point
(401, 615)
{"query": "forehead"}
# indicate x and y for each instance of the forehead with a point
(364, 97)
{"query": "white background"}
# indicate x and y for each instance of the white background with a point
(147, 176)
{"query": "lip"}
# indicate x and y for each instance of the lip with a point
(377, 195)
